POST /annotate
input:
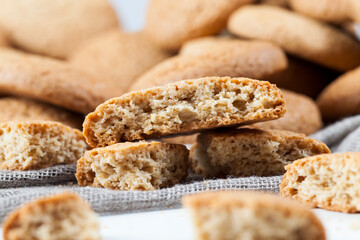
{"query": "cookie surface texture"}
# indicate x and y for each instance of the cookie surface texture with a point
(134, 166)
(328, 181)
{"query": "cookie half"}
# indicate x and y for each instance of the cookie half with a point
(216, 57)
(134, 166)
(55, 28)
(185, 106)
(171, 23)
(329, 181)
(341, 98)
(24, 109)
(298, 35)
(39, 144)
(47, 79)
(302, 115)
(251, 215)
(116, 59)
(250, 151)
(61, 216)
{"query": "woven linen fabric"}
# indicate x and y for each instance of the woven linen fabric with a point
(52, 175)
(107, 202)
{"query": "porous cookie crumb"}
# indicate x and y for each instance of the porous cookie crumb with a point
(63, 216)
(238, 215)
(134, 166)
(329, 181)
(250, 151)
(181, 107)
(39, 144)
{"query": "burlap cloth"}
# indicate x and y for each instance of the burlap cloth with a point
(17, 188)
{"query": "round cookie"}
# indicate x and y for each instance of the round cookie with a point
(341, 98)
(55, 28)
(300, 74)
(302, 115)
(116, 59)
(226, 57)
(171, 23)
(335, 11)
(48, 80)
(298, 35)
(23, 109)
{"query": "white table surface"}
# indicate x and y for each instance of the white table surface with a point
(176, 225)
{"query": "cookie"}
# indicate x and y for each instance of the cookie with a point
(239, 215)
(116, 59)
(134, 166)
(23, 109)
(302, 115)
(335, 11)
(171, 23)
(39, 144)
(61, 216)
(298, 35)
(300, 74)
(181, 107)
(250, 151)
(341, 98)
(55, 28)
(280, 3)
(48, 80)
(216, 57)
(329, 181)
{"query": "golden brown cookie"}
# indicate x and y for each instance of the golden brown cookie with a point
(239, 215)
(181, 107)
(171, 23)
(216, 57)
(116, 59)
(335, 11)
(250, 151)
(24, 109)
(298, 35)
(329, 181)
(341, 98)
(302, 115)
(47, 79)
(61, 216)
(300, 74)
(134, 166)
(55, 28)
(39, 144)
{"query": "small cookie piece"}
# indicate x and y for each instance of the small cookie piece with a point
(116, 59)
(48, 80)
(216, 57)
(55, 28)
(302, 115)
(39, 144)
(298, 35)
(23, 109)
(329, 181)
(237, 215)
(58, 217)
(250, 151)
(134, 166)
(181, 107)
(171, 23)
(341, 98)
(335, 11)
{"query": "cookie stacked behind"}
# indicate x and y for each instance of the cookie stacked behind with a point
(185, 106)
